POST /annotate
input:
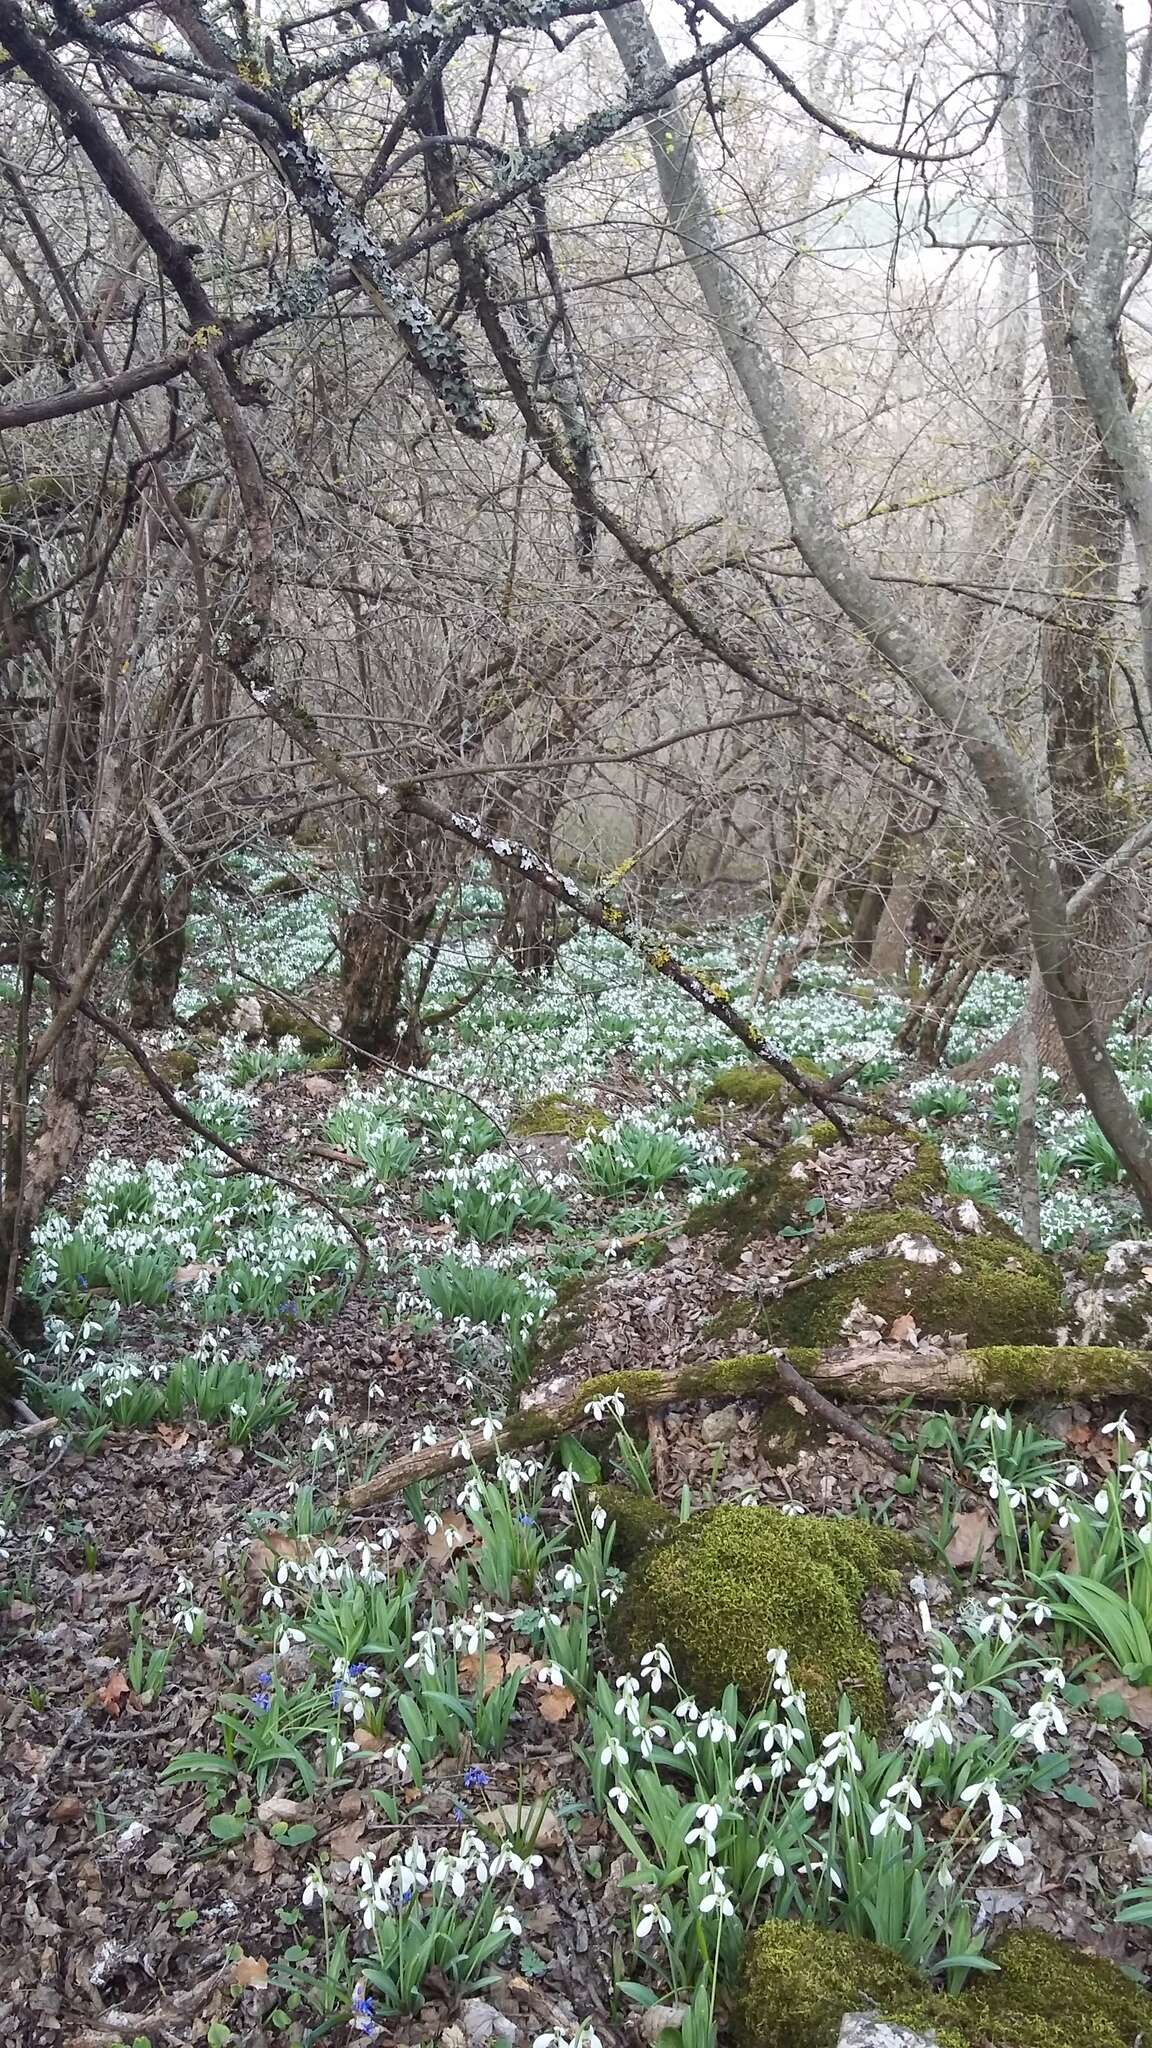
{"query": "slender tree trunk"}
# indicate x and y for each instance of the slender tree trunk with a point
(158, 936)
(377, 939)
(837, 567)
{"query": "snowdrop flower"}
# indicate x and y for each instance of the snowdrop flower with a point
(613, 1752)
(771, 1860)
(791, 1507)
(998, 1487)
(619, 1798)
(712, 1727)
(549, 1674)
(565, 1487)
(891, 1813)
(655, 1667)
(715, 1899)
(652, 1921)
(506, 1923)
(568, 1579)
(628, 1690)
(424, 1653)
(989, 1420)
(999, 1618)
(315, 1891)
(425, 1438)
(1121, 1428)
(469, 1632)
(289, 1639)
(709, 1818)
(606, 1404)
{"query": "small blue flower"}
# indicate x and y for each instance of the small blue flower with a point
(526, 1521)
(262, 1697)
(362, 2009)
(475, 1779)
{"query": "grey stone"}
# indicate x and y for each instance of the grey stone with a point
(864, 2030)
(720, 1425)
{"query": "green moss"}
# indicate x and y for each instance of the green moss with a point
(734, 1583)
(638, 1520)
(752, 1085)
(180, 1065)
(1049, 1995)
(990, 1288)
(773, 1198)
(555, 1116)
(1024, 1372)
(799, 1981)
(282, 1022)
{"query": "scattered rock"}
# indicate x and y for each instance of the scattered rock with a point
(655, 2018)
(720, 1425)
(482, 2024)
(864, 2030)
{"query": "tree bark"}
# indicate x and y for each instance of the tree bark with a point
(836, 565)
(887, 1373)
(377, 939)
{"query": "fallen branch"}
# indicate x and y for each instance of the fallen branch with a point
(870, 1440)
(885, 1372)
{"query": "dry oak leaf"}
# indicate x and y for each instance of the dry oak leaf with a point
(904, 1331)
(113, 1693)
(972, 1535)
(480, 1674)
(555, 1702)
(263, 1855)
(453, 1533)
(250, 1973)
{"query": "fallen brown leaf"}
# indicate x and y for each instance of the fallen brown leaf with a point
(263, 1855)
(344, 1843)
(454, 1533)
(1137, 1699)
(113, 1693)
(250, 1973)
(555, 1702)
(277, 1808)
(973, 1534)
(536, 1823)
(68, 1808)
(480, 1674)
(904, 1330)
(170, 1434)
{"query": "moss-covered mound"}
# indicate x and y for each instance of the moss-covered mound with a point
(734, 1583)
(282, 1022)
(637, 1520)
(753, 1086)
(774, 1197)
(799, 1981)
(556, 1116)
(988, 1287)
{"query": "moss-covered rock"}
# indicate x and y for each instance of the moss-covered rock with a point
(281, 1022)
(989, 1287)
(753, 1086)
(734, 1583)
(180, 1065)
(798, 1982)
(774, 1198)
(637, 1519)
(1115, 1306)
(556, 1116)
(1046, 1994)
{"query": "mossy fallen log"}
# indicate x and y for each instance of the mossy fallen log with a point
(881, 1373)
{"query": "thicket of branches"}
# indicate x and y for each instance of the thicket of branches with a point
(441, 430)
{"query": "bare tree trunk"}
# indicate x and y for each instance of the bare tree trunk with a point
(377, 939)
(158, 936)
(836, 565)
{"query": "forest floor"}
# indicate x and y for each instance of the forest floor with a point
(273, 1770)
